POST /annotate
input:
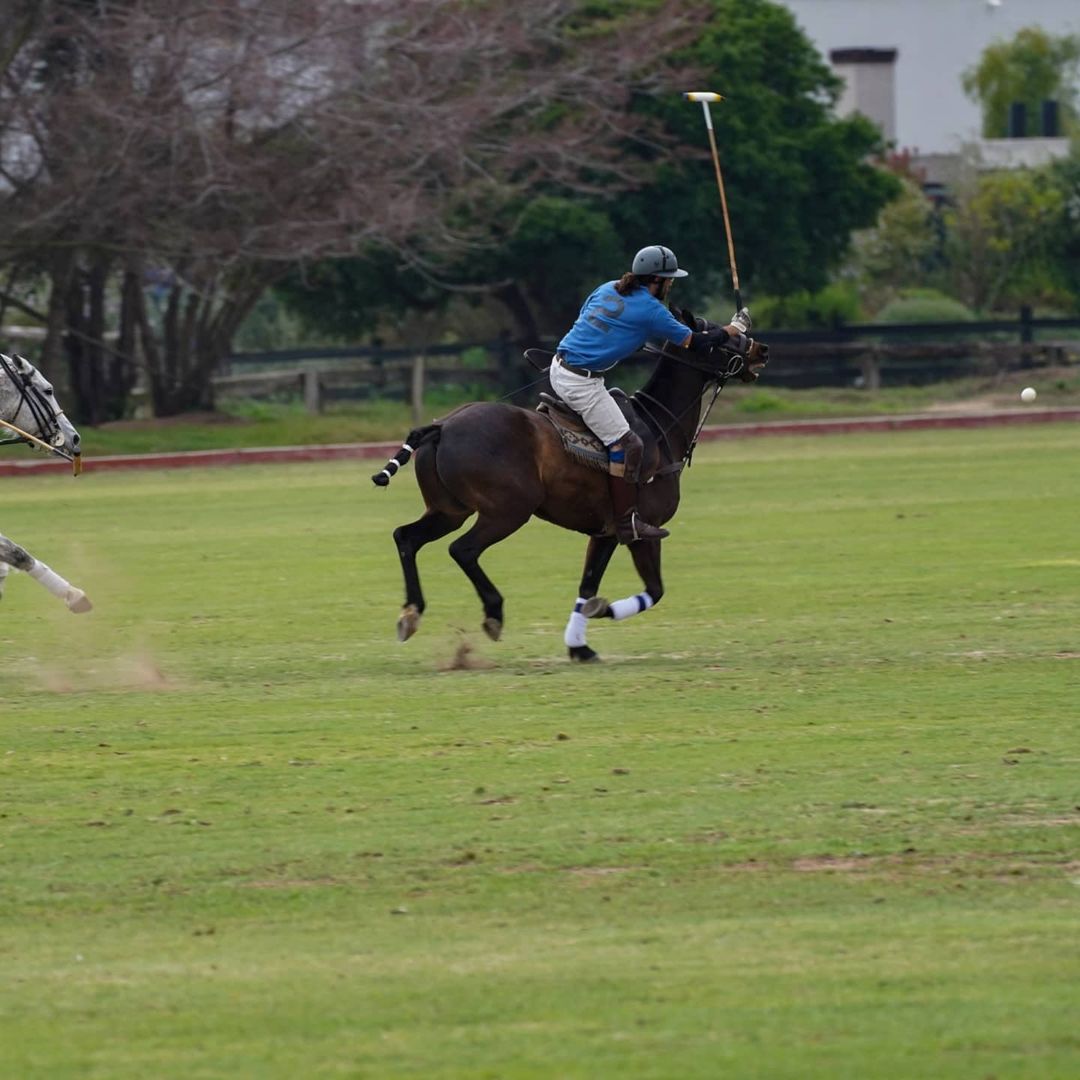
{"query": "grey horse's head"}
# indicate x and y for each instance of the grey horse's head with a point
(27, 401)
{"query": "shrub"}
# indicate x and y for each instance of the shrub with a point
(924, 306)
(834, 305)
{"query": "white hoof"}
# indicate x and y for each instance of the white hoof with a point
(78, 602)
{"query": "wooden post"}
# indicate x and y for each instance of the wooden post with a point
(312, 391)
(1027, 335)
(416, 393)
(870, 362)
(1027, 331)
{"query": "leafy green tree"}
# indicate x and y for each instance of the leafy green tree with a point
(1001, 229)
(901, 249)
(1064, 248)
(1031, 68)
(798, 180)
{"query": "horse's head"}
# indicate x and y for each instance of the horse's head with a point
(28, 403)
(729, 363)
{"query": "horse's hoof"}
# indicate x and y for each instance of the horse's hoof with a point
(595, 608)
(408, 622)
(582, 654)
(78, 602)
(493, 628)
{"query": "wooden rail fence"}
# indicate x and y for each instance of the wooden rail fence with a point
(866, 356)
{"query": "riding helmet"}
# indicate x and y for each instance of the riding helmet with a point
(656, 261)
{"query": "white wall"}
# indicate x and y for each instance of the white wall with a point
(937, 40)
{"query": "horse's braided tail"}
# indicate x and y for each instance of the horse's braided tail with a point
(413, 441)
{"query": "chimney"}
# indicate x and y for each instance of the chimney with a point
(869, 85)
(1017, 120)
(1051, 124)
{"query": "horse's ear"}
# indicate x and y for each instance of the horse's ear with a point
(684, 315)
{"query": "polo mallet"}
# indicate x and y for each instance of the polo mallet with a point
(705, 96)
(25, 436)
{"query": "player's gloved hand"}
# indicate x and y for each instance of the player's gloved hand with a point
(704, 341)
(742, 321)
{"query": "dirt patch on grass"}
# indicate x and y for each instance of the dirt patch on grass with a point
(137, 672)
(465, 659)
(587, 875)
(1001, 866)
(290, 883)
(832, 863)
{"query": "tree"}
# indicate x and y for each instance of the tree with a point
(1000, 227)
(174, 161)
(1064, 250)
(902, 247)
(1031, 68)
(798, 179)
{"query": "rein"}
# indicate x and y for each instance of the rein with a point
(717, 378)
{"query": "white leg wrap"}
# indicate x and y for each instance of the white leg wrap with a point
(574, 637)
(50, 579)
(632, 605)
(74, 598)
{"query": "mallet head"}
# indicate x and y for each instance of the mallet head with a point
(702, 95)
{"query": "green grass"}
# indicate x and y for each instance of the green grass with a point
(814, 816)
(265, 423)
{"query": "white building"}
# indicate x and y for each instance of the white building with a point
(903, 59)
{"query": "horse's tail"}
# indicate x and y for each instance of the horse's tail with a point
(413, 441)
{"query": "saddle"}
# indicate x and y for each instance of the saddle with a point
(580, 443)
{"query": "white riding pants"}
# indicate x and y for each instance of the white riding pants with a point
(590, 397)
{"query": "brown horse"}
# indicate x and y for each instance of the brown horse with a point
(506, 464)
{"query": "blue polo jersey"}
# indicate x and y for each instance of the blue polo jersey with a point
(611, 327)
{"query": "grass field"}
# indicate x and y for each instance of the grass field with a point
(814, 816)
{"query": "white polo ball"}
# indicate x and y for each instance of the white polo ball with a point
(1028, 394)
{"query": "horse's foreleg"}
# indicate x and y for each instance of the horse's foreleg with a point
(21, 559)
(646, 556)
(466, 552)
(597, 556)
(409, 540)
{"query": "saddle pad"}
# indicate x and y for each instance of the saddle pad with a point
(581, 444)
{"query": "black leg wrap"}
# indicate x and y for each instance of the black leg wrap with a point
(384, 476)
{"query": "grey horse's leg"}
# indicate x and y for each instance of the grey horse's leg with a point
(13, 555)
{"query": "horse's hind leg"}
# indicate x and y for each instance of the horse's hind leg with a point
(409, 540)
(597, 557)
(21, 559)
(466, 552)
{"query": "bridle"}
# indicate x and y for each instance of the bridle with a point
(646, 403)
(42, 408)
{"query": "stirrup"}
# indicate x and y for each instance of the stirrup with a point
(630, 528)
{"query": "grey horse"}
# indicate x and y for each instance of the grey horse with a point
(29, 413)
